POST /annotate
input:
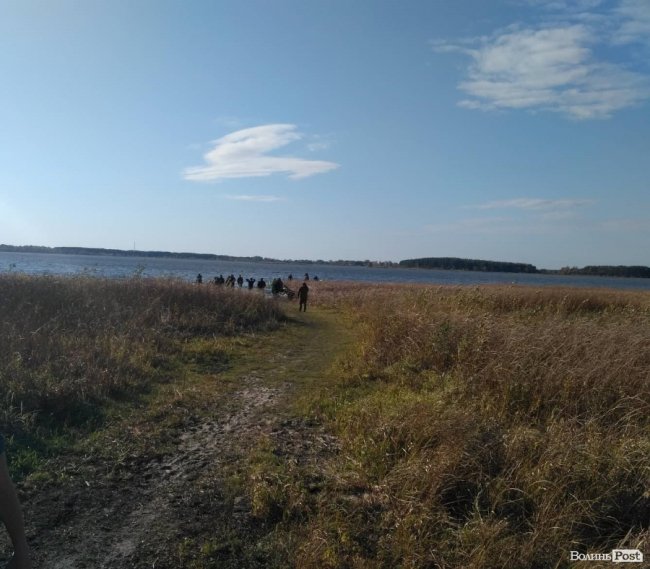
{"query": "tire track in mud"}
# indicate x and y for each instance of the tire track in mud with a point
(111, 535)
(139, 514)
(208, 445)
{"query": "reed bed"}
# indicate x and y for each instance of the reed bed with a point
(483, 427)
(69, 345)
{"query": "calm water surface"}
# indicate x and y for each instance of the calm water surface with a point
(122, 267)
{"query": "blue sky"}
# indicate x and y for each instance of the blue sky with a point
(513, 130)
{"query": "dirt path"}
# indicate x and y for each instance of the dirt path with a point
(181, 509)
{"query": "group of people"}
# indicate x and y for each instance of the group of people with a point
(231, 281)
(277, 286)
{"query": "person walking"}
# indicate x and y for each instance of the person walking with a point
(303, 293)
(11, 516)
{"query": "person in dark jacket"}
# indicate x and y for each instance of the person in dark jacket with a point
(303, 293)
(277, 286)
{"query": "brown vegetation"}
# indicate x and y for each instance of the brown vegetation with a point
(69, 345)
(476, 427)
(482, 427)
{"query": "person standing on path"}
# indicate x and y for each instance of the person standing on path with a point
(12, 517)
(303, 293)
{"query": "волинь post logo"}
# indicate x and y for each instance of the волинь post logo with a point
(616, 556)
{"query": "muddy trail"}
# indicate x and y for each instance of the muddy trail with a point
(180, 508)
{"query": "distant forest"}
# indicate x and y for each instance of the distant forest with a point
(444, 263)
(608, 271)
(170, 255)
(109, 252)
(454, 263)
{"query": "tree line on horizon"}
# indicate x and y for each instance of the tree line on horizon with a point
(637, 271)
(441, 263)
(455, 263)
(183, 255)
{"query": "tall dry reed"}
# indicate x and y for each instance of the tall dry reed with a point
(485, 427)
(67, 344)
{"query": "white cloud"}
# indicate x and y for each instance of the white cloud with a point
(249, 198)
(636, 21)
(245, 153)
(555, 66)
(535, 204)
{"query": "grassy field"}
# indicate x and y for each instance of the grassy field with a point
(412, 426)
(481, 427)
(72, 347)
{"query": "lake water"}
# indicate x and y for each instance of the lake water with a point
(121, 267)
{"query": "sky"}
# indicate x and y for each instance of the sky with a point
(508, 130)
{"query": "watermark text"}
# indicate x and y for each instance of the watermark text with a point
(615, 556)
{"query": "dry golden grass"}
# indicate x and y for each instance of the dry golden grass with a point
(484, 427)
(480, 427)
(69, 344)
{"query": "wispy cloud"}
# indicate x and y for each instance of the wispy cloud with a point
(535, 204)
(554, 66)
(635, 26)
(249, 198)
(245, 153)
(562, 5)
(538, 210)
(626, 225)
(318, 145)
(540, 222)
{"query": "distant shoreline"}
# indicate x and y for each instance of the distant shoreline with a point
(427, 263)
(183, 255)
